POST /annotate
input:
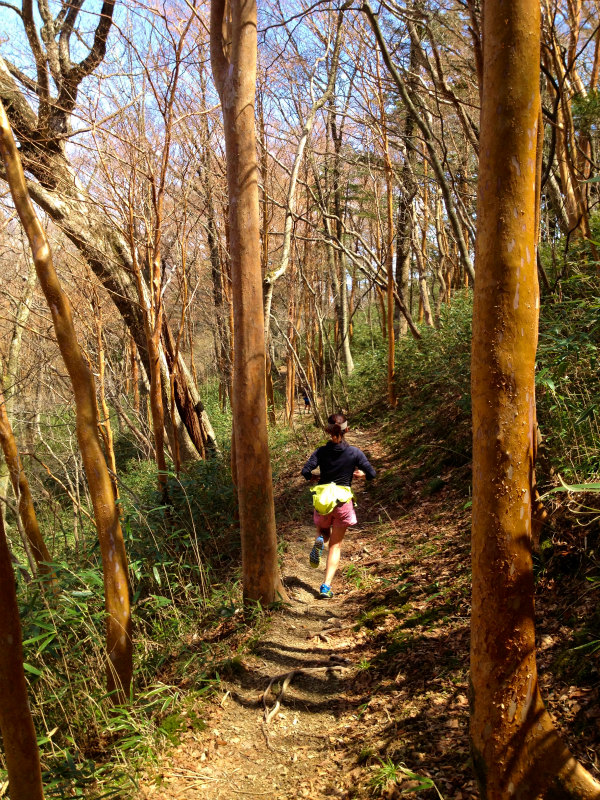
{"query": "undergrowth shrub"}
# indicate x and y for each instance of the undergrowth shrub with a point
(220, 418)
(183, 562)
(368, 380)
(568, 379)
(430, 428)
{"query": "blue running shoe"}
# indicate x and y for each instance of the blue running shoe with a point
(325, 591)
(315, 554)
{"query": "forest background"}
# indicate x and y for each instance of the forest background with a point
(368, 176)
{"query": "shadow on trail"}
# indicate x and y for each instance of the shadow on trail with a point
(324, 652)
(293, 581)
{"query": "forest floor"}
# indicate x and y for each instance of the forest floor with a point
(377, 702)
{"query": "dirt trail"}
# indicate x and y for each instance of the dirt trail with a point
(361, 701)
(295, 752)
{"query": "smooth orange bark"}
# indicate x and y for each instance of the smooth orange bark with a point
(104, 423)
(516, 751)
(233, 57)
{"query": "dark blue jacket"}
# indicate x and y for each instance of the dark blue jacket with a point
(337, 463)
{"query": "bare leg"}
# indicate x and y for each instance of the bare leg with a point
(333, 555)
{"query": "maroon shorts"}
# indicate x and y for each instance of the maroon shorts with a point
(342, 517)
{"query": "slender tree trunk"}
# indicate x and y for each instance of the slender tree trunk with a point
(290, 376)
(310, 320)
(222, 332)
(341, 285)
(403, 250)
(152, 317)
(421, 255)
(442, 267)
(264, 251)
(22, 492)
(233, 57)
(424, 305)
(18, 734)
(516, 751)
(135, 375)
(114, 559)
(9, 372)
(389, 263)
(382, 313)
(407, 190)
(187, 399)
(389, 246)
(104, 422)
(336, 291)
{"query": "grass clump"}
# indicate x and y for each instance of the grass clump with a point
(393, 774)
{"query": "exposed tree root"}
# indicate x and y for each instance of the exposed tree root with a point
(287, 678)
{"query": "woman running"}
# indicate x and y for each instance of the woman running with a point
(339, 463)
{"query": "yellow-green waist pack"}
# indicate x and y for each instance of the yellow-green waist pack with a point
(326, 496)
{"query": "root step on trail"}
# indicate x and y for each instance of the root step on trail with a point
(295, 679)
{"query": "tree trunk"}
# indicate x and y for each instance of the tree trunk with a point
(444, 275)
(22, 492)
(150, 305)
(389, 246)
(18, 734)
(114, 559)
(135, 375)
(407, 190)
(9, 374)
(424, 305)
(420, 247)
(516, 751)
(264, 251)
(216, 257)
(290, 375)
(341, 285)
(404, 246)
(105, 427)
(233, 57)
(187, 398)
